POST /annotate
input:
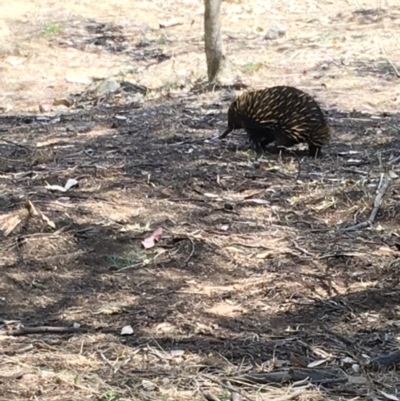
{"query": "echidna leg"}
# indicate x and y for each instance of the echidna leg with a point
(284, 141)
(314, 151)
(256, 146)
(259, 136)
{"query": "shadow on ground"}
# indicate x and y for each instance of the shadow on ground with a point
(252, 264)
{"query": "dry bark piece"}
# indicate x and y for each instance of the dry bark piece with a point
(388, 360)
(320, 376)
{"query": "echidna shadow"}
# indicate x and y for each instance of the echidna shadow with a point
(281, 114)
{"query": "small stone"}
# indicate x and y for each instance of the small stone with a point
(148, 385)
(275, 33)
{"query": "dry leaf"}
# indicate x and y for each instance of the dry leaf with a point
(148, 385)
(317, 363)
(264, 255)
(347, 360)
(44, 107)
(389, 396)
(126, 331)
(384, 250)
(70, 183)
(209, 195)
(49, 222)
(257, 201)
(62, 102)
(176, 352)
(73, 79)
(149, 242)
(55, 188)
(9, 223)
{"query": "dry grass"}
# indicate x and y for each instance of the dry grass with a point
(255, 269)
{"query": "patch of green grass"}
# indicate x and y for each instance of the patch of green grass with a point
(135, 257)
(120, 262)
(327, 38)
(359, 36)
(162, 40)
(251, 67)
(109, 396)
(225, 396)
(51, 29)
(37, 284)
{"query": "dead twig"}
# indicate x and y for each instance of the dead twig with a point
(396, 71)
(16, 144)
(393, 161)
(320, 376)
(45, 329)
(192, 252)
(302, 250)
(384, 185)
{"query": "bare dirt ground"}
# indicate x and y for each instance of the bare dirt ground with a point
(257, 269)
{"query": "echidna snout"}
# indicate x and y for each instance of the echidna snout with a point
(227, 131)
(233, 121)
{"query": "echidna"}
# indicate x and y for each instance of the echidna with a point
(283, 114)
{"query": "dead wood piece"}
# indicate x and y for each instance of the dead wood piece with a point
(385, 361)
(320, 376)
(45, 329)
(169, 24)
(15, 376)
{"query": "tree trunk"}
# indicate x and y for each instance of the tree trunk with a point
(212, 38)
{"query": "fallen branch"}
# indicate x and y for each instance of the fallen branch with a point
(384, 361)
(320, 376)
(378, 199)
(45, 329)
